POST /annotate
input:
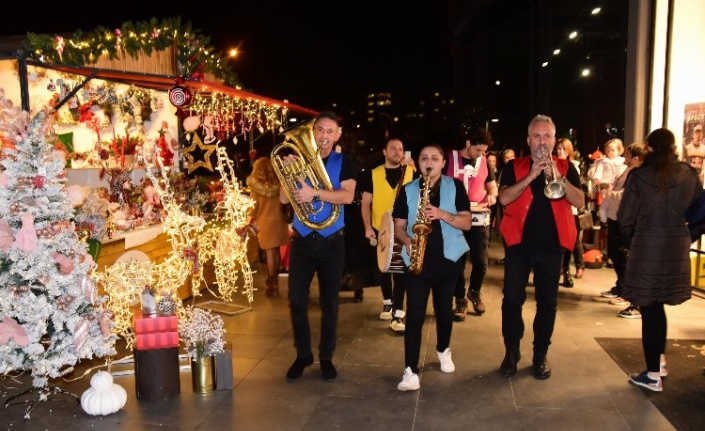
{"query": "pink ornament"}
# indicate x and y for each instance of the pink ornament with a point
(26, 239)
(3, 179)
(80, 334)
(105, 323)
(88, 288)
(38, 182)
(6, 238)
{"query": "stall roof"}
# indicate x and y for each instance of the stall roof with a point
(164, 82)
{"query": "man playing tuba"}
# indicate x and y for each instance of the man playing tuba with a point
(317, 244)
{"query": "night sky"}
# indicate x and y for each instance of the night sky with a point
(307, 52)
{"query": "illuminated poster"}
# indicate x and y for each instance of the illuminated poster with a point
(693, 143)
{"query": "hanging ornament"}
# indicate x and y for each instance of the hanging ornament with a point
(179, 95)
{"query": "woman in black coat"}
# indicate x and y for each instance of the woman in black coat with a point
(652, 221)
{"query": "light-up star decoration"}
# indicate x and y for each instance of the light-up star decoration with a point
(227, 245)
(206, 151)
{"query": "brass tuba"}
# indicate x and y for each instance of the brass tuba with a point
(308, 165)
(421, 228)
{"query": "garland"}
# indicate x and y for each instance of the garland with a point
(193, 53)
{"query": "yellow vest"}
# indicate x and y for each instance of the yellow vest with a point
(383, 194)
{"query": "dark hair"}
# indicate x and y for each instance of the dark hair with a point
(330, 116)
(662, 155)
(436, 146)
(476, 136)
(393, 138)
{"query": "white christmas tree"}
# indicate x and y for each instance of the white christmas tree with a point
(50, 313)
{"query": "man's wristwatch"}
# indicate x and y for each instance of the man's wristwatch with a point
(316, 196)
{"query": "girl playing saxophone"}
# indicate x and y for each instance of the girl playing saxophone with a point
(437, 208)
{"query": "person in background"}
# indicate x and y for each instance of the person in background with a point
(633, 156)
(469, 165)
(652, 223)
(494, 167)
(506, 155)
(448, 212)
(696, 147)
(564, 150)
(538, 231)
(319, 251)
(379, 190)
(268, 218)
(607, 169)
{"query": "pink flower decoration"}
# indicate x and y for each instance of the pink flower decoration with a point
(65, 263)
(10, 329)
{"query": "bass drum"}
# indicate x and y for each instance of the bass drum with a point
(388, 251)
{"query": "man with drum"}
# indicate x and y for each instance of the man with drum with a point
(380, 187)
(469, 164)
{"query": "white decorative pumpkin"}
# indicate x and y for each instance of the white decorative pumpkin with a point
(103, 397)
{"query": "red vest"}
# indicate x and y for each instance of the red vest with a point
(512, 226)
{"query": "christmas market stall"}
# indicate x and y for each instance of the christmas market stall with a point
(121, 163)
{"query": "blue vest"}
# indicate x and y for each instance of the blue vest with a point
(333, 167)
(454, 244)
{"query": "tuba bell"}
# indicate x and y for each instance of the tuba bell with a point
(300, 141)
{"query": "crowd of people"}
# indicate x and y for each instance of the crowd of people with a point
(440, 211)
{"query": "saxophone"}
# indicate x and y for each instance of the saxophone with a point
(421, 228)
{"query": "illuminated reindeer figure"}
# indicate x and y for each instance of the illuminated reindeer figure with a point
(182, 229)
(227, 245)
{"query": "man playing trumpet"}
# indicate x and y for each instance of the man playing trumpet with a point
(538, 228)
(318, 250)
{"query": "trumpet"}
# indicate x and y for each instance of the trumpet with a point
(554, 189)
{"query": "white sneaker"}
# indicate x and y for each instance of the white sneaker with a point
(447, 365)
(410, 381)
(397, 323)
(663, 370)
(386, 313)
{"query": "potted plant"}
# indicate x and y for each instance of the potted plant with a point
(202, 333)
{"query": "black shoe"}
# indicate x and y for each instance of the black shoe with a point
(358, 295)
(540, 368)
(477, 304)
(461, 309)
(296, 369)
(509, 364)
(567, 280)
(328, 370)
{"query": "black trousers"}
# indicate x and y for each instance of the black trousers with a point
(654, 328)
(477, 238)
(616, 252)
(518, 265)
(325, 257)
(578, 250)
(393, 287)
(418, 289)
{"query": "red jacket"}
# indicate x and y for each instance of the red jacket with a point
(512, 226)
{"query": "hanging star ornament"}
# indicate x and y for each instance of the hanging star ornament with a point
(206, 151)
